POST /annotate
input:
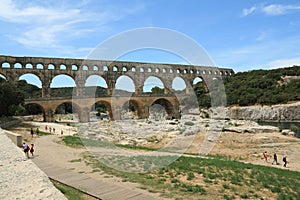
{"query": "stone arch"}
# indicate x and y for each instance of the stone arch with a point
(107, 105)
(6, 65)
(51, 66)
(154, 81)
(130, 110)
(95, 68)
(179, 84)
(39, 66)
(29, 66)
(124, 69)
(84, 68)
(66, 108)
(201, 80)
(115, 68)
(36, 109)
(61, 81)
(169, 108)
(94, 83)
(32, 78)
(125, 83)
(62, 67)
(18, 65)
(74, 67)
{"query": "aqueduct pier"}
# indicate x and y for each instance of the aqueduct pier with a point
(46, 69)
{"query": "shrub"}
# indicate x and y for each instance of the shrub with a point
(294, 128)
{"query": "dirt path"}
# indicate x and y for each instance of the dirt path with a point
(49, 148)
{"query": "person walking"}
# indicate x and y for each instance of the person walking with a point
(38, 132)
(265, 155)
(284, 161)
(31, 149)
(275, 159)
(31, 132)
(26, 149)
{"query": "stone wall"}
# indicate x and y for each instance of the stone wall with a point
(20, 178)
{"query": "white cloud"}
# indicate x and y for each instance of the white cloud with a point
(272, 9)
(248, 11)
(277, 9)
(51, 25)
(284, 63)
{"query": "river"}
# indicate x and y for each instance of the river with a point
(284, 125)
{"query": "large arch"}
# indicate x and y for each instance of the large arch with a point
(125, 83)
(153, 83)
(96, 85)
(36, 111)
(169, 108)
(105, 110)
(179, 85)
(66, 111)
(130, 110)
(32, 79)
(62, 85)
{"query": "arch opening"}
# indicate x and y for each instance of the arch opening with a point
(62, 86)
(153, 85)
(125, 84)
(95, 85)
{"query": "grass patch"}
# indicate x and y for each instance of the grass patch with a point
(228, 176)
(77, 142)
(72, 193)
(211, 177)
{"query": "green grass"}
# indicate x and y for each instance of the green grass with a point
(71, 193)
(211, 177)
(75, 141)
(189, 176)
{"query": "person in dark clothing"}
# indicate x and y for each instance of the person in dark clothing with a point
(284, 161)
(275, 159)
(31, 149)
(31, 132)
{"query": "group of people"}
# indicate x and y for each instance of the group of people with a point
(275, 160)
(50, 129)
(28, 148)
(37, 131)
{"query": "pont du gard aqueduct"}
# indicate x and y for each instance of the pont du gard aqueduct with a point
(12, 68)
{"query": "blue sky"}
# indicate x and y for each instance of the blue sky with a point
(242, 35)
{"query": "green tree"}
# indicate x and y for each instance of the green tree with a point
(10, 98)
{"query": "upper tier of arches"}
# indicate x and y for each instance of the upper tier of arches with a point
(47, 69)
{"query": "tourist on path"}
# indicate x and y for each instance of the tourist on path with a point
(31, 132)
(31, 149)
(38, 132)
(284, 161)
(265, 156)
(26, 149)
(275, 159)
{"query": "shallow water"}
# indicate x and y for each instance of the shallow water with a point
(284, 125)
